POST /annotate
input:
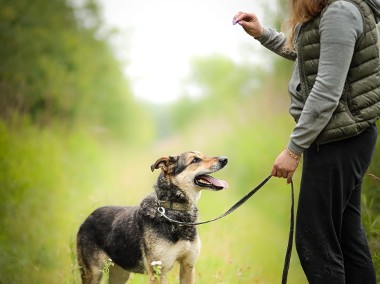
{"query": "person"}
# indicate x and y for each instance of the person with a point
(335, 101)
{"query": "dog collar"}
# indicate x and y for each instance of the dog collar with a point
(174, 205)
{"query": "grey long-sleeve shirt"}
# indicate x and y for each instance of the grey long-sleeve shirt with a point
(340, 27)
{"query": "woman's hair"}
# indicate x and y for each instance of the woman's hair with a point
(302, 11)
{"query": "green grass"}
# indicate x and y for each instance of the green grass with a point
(46, 178)
(52, 179)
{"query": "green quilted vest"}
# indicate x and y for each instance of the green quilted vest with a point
(359, 105)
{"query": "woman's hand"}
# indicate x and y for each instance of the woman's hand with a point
(285, 165)
(250, 23)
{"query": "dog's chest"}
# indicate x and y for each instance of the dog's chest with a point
(181, 248)
(162, 249)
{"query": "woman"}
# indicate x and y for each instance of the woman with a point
(335, 101)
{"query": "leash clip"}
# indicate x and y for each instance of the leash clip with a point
(161, 210)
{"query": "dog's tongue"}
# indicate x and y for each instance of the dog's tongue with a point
(214, 181)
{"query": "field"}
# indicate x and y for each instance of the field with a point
(51, 180)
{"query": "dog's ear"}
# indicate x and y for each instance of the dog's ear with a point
(160, 163)
(164, 163)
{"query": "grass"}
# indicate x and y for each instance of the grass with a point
(51, 180)
(371, 222)
(45, 175)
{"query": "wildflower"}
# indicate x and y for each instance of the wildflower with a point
(157, 267)
(156, 263)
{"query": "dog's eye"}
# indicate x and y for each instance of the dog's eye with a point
(195, 160)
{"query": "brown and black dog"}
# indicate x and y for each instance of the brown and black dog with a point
(135, 236)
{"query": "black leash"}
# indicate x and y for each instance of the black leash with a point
(290, 240)
(229, 211)
(289, 248)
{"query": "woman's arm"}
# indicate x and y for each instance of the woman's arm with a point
(275, 41)
(269, 38)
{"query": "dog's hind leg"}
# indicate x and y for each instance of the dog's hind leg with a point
(91, 262)
(118, 275)
(91, 276)
(91, 273)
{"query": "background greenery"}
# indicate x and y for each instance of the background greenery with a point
(72, 138)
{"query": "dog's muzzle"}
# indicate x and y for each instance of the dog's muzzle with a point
(209, 182)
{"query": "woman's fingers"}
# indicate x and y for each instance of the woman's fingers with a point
(249, 22)
(282, 173)
(246, 17)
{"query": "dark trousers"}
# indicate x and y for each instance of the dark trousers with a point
(330, 240)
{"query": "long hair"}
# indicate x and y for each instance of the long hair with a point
(301, 11)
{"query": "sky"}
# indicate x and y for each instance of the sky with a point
(158, 38)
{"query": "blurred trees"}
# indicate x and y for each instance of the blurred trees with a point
(62, 91)
(214, 88)
(56, 67)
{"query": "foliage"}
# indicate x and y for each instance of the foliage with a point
(106, 270)
(55, 68)
(219, 82)
(39, 188)
(371, 209)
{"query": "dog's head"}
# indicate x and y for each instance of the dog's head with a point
(190, 171)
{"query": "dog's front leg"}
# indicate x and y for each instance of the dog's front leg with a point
(163, 278)
(186, 273)
(157, 280)
(153, 279)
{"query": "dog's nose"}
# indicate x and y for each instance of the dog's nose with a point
(223, 161)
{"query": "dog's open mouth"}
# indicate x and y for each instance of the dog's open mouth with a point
(210, 182)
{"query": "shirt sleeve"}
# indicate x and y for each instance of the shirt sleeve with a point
(340, 27)
(275, 42)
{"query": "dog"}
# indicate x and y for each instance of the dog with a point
(136, 238)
